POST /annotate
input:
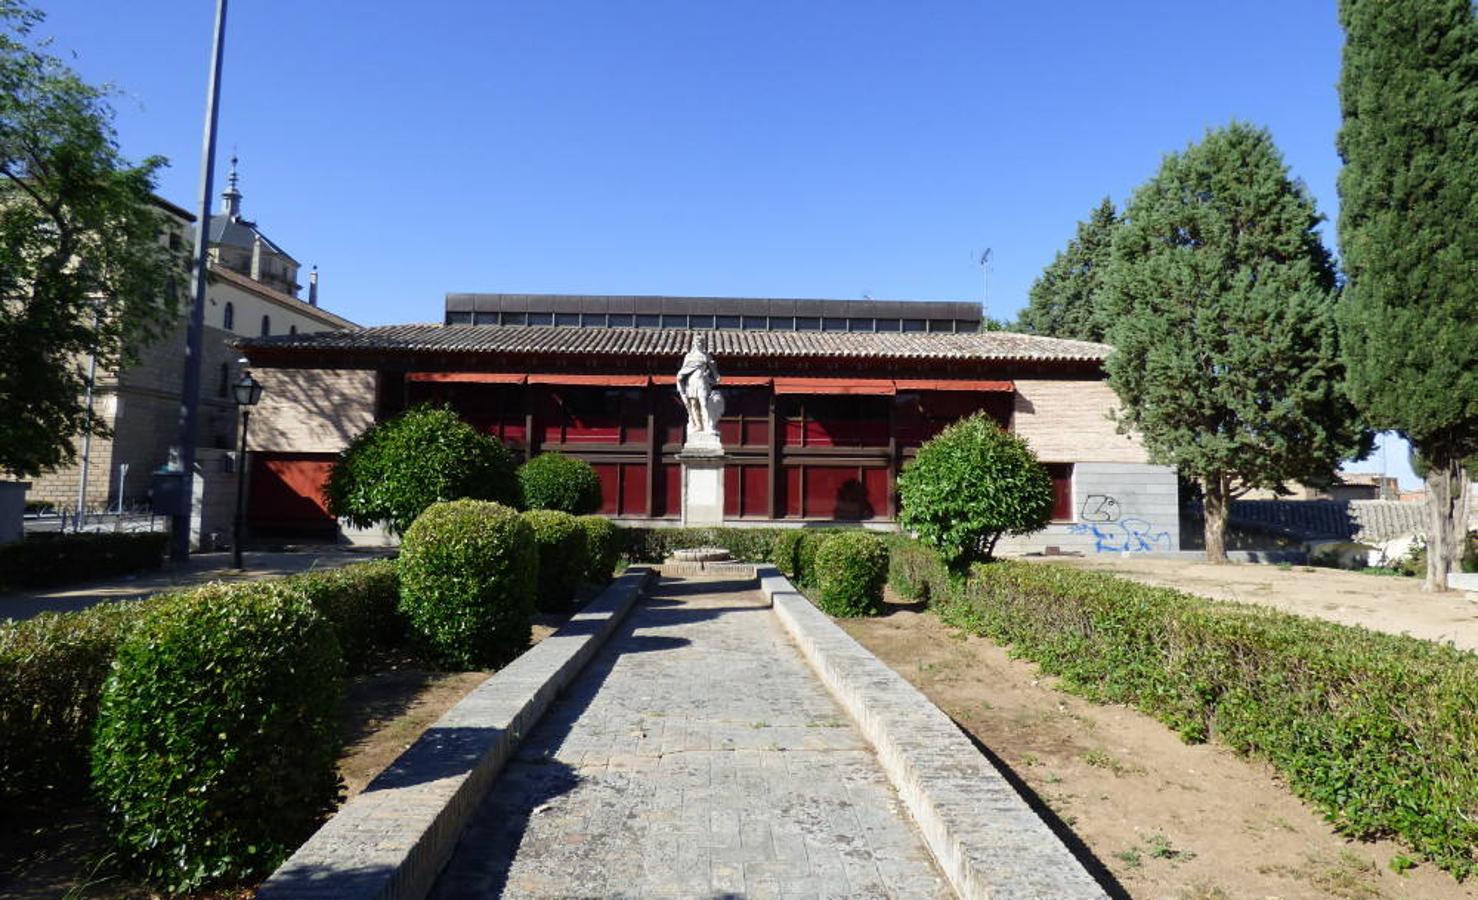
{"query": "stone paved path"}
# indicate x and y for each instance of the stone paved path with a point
(697, 756)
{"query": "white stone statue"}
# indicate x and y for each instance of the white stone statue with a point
(697, 385)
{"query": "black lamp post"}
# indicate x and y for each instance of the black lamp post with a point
(247, 392)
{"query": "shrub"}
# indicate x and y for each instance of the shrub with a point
(785, 552)
(602, 547)
(564, 483)
(968, 486)
(851, 569)
(397, 468)
(217, 734)
(48, 559)
(915, 572)
(562, 557)
(1376, 729)
(653, 545)
(467, 575)
(52, 670)
(361, 602)
(805, 555)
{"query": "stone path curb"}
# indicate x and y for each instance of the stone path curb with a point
(984, 836)
(392, 840)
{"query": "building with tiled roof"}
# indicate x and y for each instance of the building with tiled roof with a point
(825, 402)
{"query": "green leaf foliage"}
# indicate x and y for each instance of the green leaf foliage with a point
(851, 569)
(397, 468)
(1226, 354)
(82, 269)
(971, 484)
(42, 560)
(467, 580)
(653, 545)
(1377, 730)
(564, 483)
(1408, 225)
(1065, 301)
(785, 552)
(562, 557)
(362, 603)
(217, 734)
(602, 547)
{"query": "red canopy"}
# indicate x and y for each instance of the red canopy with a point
(874, 386)
(474, 377)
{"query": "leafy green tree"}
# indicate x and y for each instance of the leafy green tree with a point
(1065, 300)
(82, 269)
(968, 486)
(1223, 299)
(1408, 231)
(395, 469)
(556, 481)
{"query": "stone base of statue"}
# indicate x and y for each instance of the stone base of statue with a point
(702, 459)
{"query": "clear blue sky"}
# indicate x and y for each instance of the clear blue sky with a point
(817, 149)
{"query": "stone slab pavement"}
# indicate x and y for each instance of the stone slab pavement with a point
(201, 568)
(696, 756)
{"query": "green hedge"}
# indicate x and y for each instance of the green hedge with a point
(555, 481)
(602, 547)
(467, 576)
(218, 734)
(850, 571)
(563, 559)
(43, 559)
(361, 602)
(1378, 730)
(785, 548)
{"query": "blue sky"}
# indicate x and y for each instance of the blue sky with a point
(694, 146)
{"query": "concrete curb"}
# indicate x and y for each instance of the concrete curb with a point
(984, 836)
(392, 840)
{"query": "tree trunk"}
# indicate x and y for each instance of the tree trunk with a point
(1216, 507)
(1447, 505)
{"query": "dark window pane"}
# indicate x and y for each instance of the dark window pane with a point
(755, 323)
(913, 324)
(515, 318)
(807, 323)
(782, 323)
(726, 321)
(648, 321)
(831, 324)
(459, 318)
(571, 319)
(941, 325)
(541, 318)
(671, 320)
(889, 324)
(859, 325)
(700, 321)
(593, 320)
(620, 320)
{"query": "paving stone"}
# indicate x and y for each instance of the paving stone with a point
(696, 755)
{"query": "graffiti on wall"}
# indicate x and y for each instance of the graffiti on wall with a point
(1100, 517)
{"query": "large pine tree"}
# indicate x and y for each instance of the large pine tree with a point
(1222, 298)
(1408, 229)
(1064, 300)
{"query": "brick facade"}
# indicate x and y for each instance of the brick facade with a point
(1068, 420)
(312, 410)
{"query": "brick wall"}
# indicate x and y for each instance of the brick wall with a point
(312, 410)
(1067, 421)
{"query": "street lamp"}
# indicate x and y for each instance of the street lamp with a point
(247, 392)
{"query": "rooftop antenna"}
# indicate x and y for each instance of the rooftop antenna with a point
(984, 263)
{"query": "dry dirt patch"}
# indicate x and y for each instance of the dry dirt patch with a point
(1168, 819)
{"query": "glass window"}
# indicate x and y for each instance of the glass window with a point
(515, 318)
(570, 319)
(620, 320)
(541, 318)
(727, 321)
(807, 323)
(941, 325)
(648, 321)
(833, 324)
(755, 323)
(672, 320)
(459, 318)
(913, 324)
(593, 320)
(224, 388)
(782, 323)
(889, 324)
(700, 321)
(292, 329)
(266, 325)
(228, 318)
(860, 325)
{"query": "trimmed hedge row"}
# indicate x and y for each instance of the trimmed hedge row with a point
(361, 601)
(1378, 730)
(42, 560)
(563, 561)
(653, 545)
(602, 549)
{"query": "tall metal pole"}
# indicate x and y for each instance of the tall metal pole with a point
(179, 549)
(237, 530)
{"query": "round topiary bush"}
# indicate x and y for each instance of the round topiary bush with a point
(553, 481)
(602, 547)
(784, 551)
(217, 734)
(562, 557)
(467, 576)
(851, 569)
(968, 486)
(396, 468)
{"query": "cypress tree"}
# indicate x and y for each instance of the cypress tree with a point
(1222, 299)
(1064, 300)
(1408, 230)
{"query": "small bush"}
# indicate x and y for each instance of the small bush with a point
(467, 576)
(785, 552)
(851, 569)
(397, 468)
(805, 554)
(968, 486)
(52, 671)
(654, 545)
(562, 557)
(564, 483)
(602, 547)
(915, 572)
(361, 602)
(50, 559)
(217, 734)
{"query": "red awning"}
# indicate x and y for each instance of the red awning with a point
(724, 380)
(939, 384)
(473, 377)
(873, 386)
(591, 380)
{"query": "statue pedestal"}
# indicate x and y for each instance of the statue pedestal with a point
(703, 484)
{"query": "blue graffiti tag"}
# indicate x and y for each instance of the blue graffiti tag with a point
(1125, 536)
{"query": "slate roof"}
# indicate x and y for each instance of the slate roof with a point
(1363, 521)
(516, 339)
(239, 232)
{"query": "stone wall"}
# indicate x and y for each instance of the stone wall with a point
(1067, 420)
(1117, 508)
(312, 410)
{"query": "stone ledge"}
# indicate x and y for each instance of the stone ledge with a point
(392, 840)
(984, 836)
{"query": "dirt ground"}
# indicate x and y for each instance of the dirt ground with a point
(1167, 819)
(1379, 602)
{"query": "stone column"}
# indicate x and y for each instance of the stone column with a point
(703, 486)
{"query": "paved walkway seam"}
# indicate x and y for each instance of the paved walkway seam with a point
(984, 836)
(391, 841)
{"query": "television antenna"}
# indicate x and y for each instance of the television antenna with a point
(984, 263)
